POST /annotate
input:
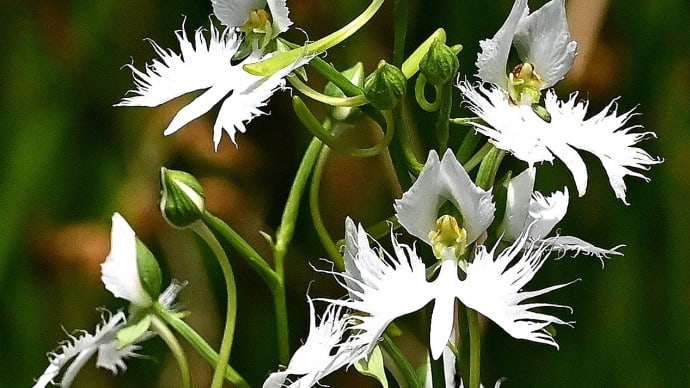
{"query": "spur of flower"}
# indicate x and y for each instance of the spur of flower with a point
(513, 119)
(128, 273)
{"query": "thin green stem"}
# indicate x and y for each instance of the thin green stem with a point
(477, 157)
(284, 236)
(198, 343)
(404, 145)
(401, 10)
(245, 250)
(169, 338)
(315, 209)
(231, 304)
(444, 94)
(409, 376)
(420, 96)
(475, 347)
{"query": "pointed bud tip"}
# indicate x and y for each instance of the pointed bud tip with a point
(182, 198)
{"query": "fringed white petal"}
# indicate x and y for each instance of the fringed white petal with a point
(120, 272)
(76, 351)
(494, 287)
(324, 351)
(519, 130)
(542, 39)
(442, 181)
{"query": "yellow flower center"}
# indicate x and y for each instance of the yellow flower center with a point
(448, 238)
(525, 85)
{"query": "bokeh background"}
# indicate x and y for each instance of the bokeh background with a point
(69, 159)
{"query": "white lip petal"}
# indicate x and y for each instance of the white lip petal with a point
(119, 272)
(542, 39)
(492, 62)
(519, 130)
(441, 181)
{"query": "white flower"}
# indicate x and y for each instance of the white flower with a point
(383, 287)
(206, 64)
(541, 39)
(81, 346)
(235, 13)
(521, 131)
(120, 271)
(532, 211)
(439, 182)
(325, 351)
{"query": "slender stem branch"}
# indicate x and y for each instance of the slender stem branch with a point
(315, 210)
(169, 338)
(401, 11)
(199, 344)
(284, 236)
(445, 98)
(231, 304)
(401, 362)
(477, 158)
(245, 250)
(475, 347)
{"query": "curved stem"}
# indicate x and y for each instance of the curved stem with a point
(231, 304)
(169, 338)
(358, 100)
(419, 85)
(475, 347)
(477, 158)
(198, 343)
(284, 236)
(315, 210)
(245, 250)
(315, 127)
(402, 363)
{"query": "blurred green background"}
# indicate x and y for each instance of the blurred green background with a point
(68, 160)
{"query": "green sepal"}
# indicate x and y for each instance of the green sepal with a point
(440, 64)
(373, 367)
(182, 198)
(385, 87)
(131, 333)
(149, 272)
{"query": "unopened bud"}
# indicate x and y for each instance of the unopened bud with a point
(440, 64)
(385, 87)
(182, 198)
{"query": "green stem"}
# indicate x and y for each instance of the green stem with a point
(199, 344)
(401, 362)
(475, 347)
(231, 294)
(401, 11)
(169, 338)
(315, 210)
(445, 98)
(284, 236)
(468, 145)
(245, 250)
(478, 157)
(404, 147)
(489, 168)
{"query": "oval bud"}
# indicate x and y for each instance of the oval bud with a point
(440, 64)
(385, 87)
(182, 198)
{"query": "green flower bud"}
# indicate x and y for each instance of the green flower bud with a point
(440, 64)
(343, 113)
(182, 198)
(384, 87)
(149, 271)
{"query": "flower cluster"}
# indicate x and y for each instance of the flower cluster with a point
(478, 238)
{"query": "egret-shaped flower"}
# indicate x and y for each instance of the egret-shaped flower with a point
(514, 121)
(206, 63)
(127, 273)
(250, 15)
(531, 210)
